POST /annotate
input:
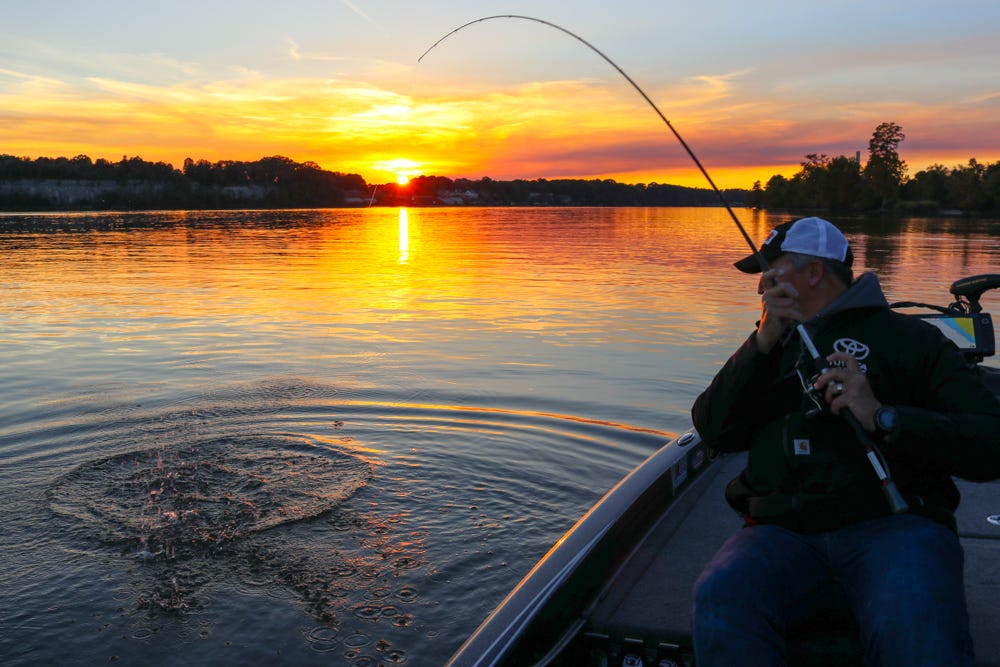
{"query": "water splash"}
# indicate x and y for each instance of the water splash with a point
(175, 502)
(180, 511)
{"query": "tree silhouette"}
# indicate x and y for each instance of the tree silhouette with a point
(885, 171)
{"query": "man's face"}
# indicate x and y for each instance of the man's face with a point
(796, 279)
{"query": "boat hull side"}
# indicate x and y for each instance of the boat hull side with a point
(549, 601)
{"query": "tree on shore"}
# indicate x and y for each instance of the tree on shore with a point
(842, 184)
(885, 171)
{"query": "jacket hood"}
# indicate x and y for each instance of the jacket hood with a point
(865, 292)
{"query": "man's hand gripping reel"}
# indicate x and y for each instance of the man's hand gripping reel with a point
(819, 366)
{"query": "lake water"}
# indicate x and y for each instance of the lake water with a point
(339, 437)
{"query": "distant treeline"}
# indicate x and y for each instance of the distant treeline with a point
(837, 184)
(556, 192)
(80, 183)
(843, 184)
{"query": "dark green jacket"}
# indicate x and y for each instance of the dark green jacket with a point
(811, 473)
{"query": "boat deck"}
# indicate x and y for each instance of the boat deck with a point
(651, 597)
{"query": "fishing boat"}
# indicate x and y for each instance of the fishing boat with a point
(615, 590)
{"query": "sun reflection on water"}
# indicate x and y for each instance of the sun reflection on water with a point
(404, 236)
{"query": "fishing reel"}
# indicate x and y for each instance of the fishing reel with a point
(806, 369)
(813, 360)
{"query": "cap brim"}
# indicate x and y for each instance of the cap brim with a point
(751, 263)
(748, 264)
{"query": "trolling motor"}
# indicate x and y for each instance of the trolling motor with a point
(818, 366)
(964, 322)
(969, 290)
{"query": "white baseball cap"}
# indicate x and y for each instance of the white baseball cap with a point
(808, 236)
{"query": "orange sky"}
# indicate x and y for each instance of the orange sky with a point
(339, 84)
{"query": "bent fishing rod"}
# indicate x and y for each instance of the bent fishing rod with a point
(893, 497)
(701, 168)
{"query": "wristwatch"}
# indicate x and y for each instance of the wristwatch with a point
(886, 423)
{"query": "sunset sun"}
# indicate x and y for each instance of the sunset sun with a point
(402, 168)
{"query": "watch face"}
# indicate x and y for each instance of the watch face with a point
(885, 418)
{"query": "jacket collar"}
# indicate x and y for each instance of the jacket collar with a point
(865, 292)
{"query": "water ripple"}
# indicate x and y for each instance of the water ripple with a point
(347, 503)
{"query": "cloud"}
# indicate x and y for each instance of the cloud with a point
(715, 86)
(585, 127)
(357, 10)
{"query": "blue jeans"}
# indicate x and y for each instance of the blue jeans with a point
(901, 576)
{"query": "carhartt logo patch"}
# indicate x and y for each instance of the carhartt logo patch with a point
(801, 447)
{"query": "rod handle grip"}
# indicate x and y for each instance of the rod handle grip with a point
(895, 499)
(897, 504)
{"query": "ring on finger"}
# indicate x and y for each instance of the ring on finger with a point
(838, 388)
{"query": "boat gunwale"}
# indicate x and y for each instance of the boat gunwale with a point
(501, 639)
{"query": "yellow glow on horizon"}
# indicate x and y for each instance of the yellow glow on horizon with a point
(402, 168)
(723, 177)
(587, 129)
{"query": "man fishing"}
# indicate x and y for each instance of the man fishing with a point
(817, 523)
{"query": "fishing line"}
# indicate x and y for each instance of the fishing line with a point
(760, 259)
(893, 496)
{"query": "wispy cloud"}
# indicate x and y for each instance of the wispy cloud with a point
(357, 10)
